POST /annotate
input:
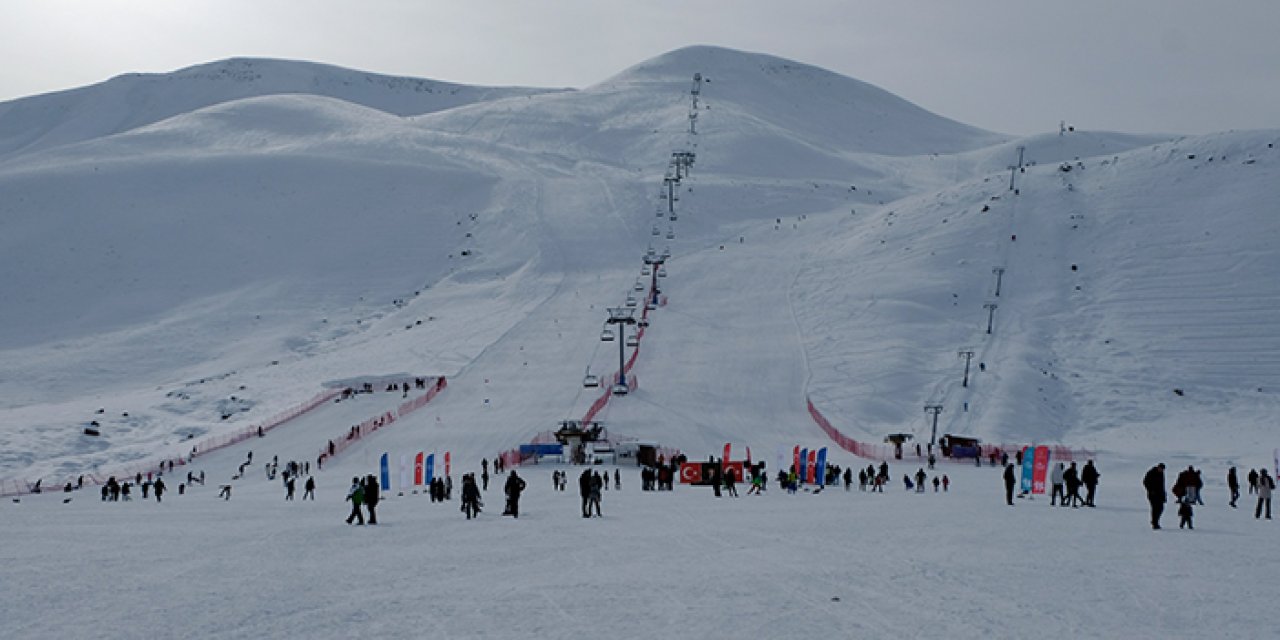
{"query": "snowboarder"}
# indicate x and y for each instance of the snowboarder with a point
(355, 495)
(515, 485)
(1153, 482)
(1009, 480)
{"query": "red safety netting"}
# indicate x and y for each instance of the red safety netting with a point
(200, 448)
(886, 451)
(353, 435)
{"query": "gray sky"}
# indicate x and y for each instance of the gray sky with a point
(1177, 66)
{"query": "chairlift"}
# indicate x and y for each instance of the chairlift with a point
(643, 321)
(631, 300)
(590, 381)
(656, 230)
(673, 216)
(633, 340)
(662, 272)
(639, 285)
(671, 234)
(606, 335)
(666, 252)
(620, 389)
(644, 271)
(651, 305)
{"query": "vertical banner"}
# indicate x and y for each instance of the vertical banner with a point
(404, 472)
(417, 469)
(813, 461)
(431, 468)
(447, 464)
(820, 472)
(1041, 468)
(727, 448)
(749, 455)
(1028, 468)
(795, 460)
(802, 466)
(386, 474)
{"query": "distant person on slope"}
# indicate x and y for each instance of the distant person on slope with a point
(584, 490)
(515, 485)
(1072, 480)
(1009, 481)
(1153, 482)
(470, 496)
(1233, 484)
(1090, 477)
(371, 497)
(309, 489)
(1265, 486)
(1057, 478)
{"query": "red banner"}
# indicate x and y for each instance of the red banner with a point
(812, 468)
(691, 473)
(727, 448)
(417, 468)
(1039, 469)
(446, 464)
(795, 460)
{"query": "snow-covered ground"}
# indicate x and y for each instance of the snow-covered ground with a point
(213, 256)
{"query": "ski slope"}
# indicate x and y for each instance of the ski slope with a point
(205, 258)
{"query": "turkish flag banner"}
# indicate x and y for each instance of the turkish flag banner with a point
(691, 473)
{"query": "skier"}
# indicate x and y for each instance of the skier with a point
(1090, 477)
(355, 495)
(514, 486)
(224, 492)
(1234, 485)
(1153, 482)
(470, 496)
(1009, 481)
(371, 497)
(158, 487)
(309, 489)
(1265, 486)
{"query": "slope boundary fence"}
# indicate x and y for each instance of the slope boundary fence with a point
(871, 451)
(354, 434)
(14, 487)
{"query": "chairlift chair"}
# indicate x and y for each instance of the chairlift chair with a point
(644, 271)
(590, 381)
(673, 217)
(620, 389)
(662, 272)
(631, 300)
(639, 285)
(671, 234)
(656, 230)
(666, 252)
(643, 321)
(633, 340)
(606, 335)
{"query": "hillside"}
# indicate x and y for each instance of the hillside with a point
(134, 100)
(830, 244)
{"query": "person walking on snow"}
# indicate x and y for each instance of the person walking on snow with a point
(515, 485)
(1233, 484)
(1153, 482)
(371, 497)
(920, 480)
(470, 496)
(1057, 478)
(1184, 515)
(1090, 477)
(1265, 486)
(598, 484)
(309, 489)
(584, 491)
(355, 495)
(158, 487)
(1072, 479)
(1009, 481)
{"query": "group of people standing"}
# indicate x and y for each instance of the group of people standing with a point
(1186, 491)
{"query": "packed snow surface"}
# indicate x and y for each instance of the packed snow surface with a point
(212, 247)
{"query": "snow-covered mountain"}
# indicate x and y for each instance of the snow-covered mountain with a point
(244, 229)
(133, 100)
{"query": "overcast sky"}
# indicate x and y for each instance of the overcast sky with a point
(1174, 66)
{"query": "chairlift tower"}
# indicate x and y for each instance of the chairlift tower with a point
(991, 314)
(999, 274)
(1014, 169)
(696, 90)
(671, 193)
(934, 409)
(967, 354)
(621, 316)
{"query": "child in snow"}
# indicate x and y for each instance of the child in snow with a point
(1184, 512)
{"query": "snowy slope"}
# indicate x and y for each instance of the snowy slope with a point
(134, 100)
(265, 246)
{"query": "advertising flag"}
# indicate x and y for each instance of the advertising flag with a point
(795, 460)
(386, 474)
(404, 471)
(802, 466)
(811, 471)
(1041, 468)
(727, 449)
(418, 469)
(820, 472)
(431, 467)
(748, 456)
(447, 464)
(1028, 467)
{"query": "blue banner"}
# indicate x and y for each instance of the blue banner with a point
(820, 471)
(386, 474)
(1028, 468)
(803, 472)
(431, 468)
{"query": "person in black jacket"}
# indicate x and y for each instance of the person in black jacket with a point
(514, 486)
(1072, 479)
(470, 496)
(1009, 480)
(1153, 482)
(371, 497)
(1233, 484)
(584, 489)
(1090, 477)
